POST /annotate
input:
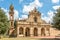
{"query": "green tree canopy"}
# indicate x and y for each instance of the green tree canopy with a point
(56, 19)
(4, 24)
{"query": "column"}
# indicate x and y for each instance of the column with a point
(17, 31)
(49, 30)
(39, 31)
(31, 31)
(24, 31)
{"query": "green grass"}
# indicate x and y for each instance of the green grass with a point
(27, 38)
(20, 38)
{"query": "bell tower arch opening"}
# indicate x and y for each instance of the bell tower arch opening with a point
(35, 19)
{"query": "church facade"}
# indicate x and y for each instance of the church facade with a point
(33, 26)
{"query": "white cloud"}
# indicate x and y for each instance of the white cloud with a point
(48, 18)
(23, 17)
(16, 14)
(20, 1)
(50, 14)
(55, 1)
(56, 7)
(31, 6)
(42, 14)
(7, 13)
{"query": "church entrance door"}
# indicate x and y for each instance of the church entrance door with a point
(42, 32)
(27, 32)
(35, 32)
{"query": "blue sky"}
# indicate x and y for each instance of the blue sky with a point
(22, 7)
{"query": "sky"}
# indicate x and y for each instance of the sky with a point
(22, 8)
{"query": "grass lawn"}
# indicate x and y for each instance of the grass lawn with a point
(27, 38)
(21, 38)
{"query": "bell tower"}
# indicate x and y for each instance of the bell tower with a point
(11, 16)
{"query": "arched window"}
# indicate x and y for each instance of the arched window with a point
(11, 23)
(35, 19)
(20, 30)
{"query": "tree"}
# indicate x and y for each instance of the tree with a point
(56, 19)
(4, 24)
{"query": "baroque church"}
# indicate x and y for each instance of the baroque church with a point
(32, 26)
